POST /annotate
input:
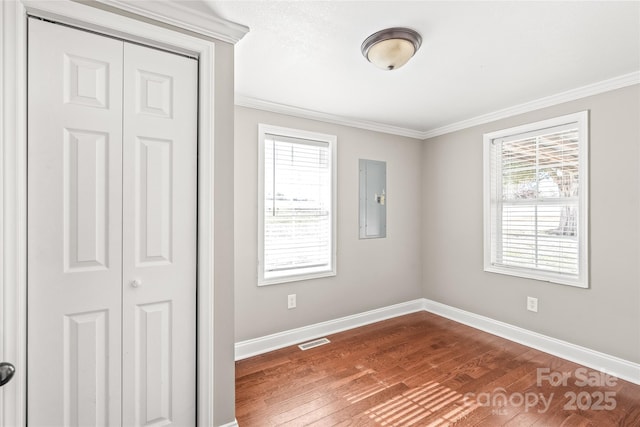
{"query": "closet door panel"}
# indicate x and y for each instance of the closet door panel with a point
(160, 225)
(74, 227)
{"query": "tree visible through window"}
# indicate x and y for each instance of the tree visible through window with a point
(535, 200)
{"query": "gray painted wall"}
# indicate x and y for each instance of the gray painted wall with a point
(605, 317)
(371, 273)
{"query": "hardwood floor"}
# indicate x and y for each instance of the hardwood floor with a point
(425, 370)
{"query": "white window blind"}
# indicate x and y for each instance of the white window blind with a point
(297, 207)
(535, 209)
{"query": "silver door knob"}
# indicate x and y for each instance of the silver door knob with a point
(6, 372)
(136, 283)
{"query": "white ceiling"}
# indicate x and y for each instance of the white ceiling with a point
(476, 57)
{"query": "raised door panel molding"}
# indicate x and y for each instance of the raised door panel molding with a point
(86, 205)
(154, 219)
(153, 326)
(154, 94)
(86, 391)
(86, 81)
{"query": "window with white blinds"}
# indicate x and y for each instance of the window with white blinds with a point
(536, 200)
(296, 205)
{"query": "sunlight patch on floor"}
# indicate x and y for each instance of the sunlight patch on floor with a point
(369, 391)
(413, 406)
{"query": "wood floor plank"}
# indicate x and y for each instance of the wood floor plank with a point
(424, 370)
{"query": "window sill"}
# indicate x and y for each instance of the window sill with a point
(580, 282)
(294, 278)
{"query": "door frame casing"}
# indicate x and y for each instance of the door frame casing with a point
(13, 184)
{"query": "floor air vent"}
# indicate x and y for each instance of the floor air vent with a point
(314, 343)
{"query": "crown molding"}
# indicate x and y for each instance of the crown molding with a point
(548, 101)
(259, 104)
(179, 14)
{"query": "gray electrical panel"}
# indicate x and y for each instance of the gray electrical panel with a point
(373, 199)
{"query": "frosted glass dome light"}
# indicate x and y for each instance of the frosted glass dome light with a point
(390, 49)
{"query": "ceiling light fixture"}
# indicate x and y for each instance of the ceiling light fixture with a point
(390, 49)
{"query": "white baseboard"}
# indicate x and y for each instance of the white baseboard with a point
(612, 365)
(253, 347)
(233, 423)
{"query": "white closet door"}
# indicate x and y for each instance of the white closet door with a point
(159, 252)
(112, 194)
(74, 227)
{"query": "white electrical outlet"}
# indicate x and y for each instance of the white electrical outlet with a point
(291, 301)
(532, 304)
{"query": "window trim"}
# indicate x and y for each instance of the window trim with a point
(582, 281)
(264, 129)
